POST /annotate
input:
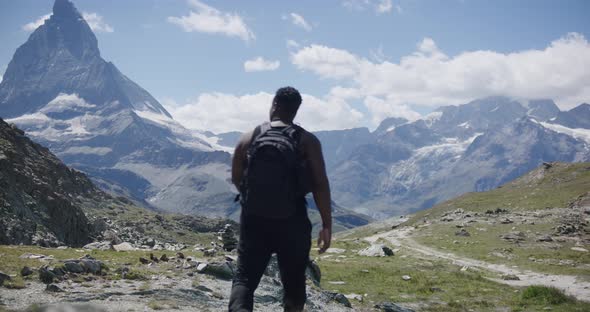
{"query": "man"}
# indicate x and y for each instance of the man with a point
(288, 233)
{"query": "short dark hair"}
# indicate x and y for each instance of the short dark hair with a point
(287, 99)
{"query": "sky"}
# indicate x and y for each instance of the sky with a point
(215, 64)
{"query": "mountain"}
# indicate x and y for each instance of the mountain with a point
(456, 149)
(44, 202)
(67, 97)
(38, 194)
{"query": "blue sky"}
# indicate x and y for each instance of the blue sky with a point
(357, 61)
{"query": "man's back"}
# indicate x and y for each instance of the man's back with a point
(289, 237)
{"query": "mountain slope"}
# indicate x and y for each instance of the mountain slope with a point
(64, 95)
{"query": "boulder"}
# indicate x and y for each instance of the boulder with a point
(26, 271)
(73, 266)
(143, 260)
(340, 298)
(104, 245)
(376, 250)
(53, 288)
(544, 238)
(123, 247)
(4, 277)
(462, 232)
(46, 276)
(391, 307)
(510, 277)
(221, 270)
(91, 266)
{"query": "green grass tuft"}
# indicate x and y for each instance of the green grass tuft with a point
(547, 295)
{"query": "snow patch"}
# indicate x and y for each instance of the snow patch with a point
(101, 151)
(577, 133)
(64, 102)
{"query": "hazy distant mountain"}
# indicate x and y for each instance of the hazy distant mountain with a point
(65, 96)
(456, 149)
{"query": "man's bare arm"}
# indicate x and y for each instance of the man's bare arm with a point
(320, 189)
(239, 159)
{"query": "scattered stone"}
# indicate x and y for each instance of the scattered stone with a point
(506, 221)
(180, 255)
(313, 272)
(435, 289)
(391, 307)
(201, 267)
(46, 276)
(222, 270)
(104, 245)
(53, 288)
(510, 277)
(406, 277)
(337, 282)
(516, 236)
(74, 267)
(35, 256)
(143, 260)
(388, 252)
(209, 252)
(579, 249)
(25, 271)
(228, 238)
(91, 266)
(150, 242)
(123, 247)
(544, 238)
(154, 258)
(497, 211)
(340, 298)
(335, 250)
(365, 271)
(356, 297)
(376, 250)
(164, 258)
(231, 258)
(4, 277)
(462, 232)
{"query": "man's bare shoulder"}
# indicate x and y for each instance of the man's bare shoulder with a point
(245, 139)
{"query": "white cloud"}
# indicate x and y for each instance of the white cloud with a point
(36, 23)
(299, 21)
(94, 20)
(292, 44)
(221, 112)
(384, 6)
(430, 78)
(260, 64)
(380, 6)
(96, 23)
(207, 19)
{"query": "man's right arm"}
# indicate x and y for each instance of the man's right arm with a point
(320, 189)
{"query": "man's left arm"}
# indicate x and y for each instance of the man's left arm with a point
(239, 159)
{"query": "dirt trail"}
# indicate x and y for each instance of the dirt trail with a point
(568, 283)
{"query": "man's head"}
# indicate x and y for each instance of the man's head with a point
(285, 104)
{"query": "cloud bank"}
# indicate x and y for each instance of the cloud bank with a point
(260, 64)
(430, 78)
(207, 19)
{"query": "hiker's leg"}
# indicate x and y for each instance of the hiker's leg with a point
(253, 256)
(293, 257)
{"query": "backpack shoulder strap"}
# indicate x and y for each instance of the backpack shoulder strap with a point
(259, 131)
(294, 132)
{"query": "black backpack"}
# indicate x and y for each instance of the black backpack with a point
(271, 186)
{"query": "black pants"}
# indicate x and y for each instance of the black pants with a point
(290, 239)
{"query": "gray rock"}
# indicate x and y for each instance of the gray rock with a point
(392, 307)
(74, 266)
(313, 272)
(53, 288)
(123, 247)
(221, 270)
(25, 271)
(375, 250)
(91, 266)
(515, 236)
(544, 238)
(46, 276)
(340, 298)
(4, 277)
(387, 251)
(510, 277)
(104, 245)
(462, 232)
